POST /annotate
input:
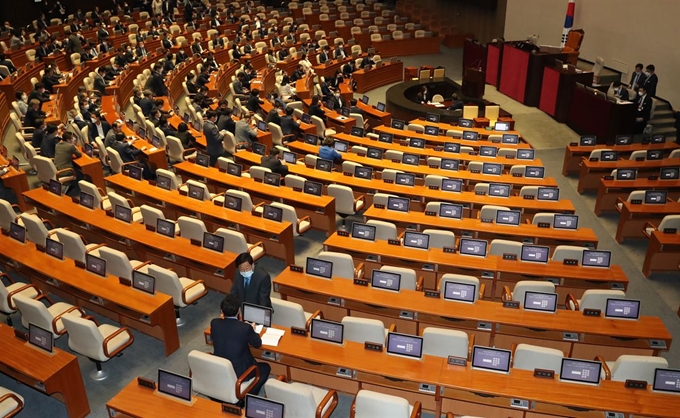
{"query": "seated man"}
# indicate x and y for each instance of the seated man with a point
(327, 152)
(289, 126)
(620, 92)
(273, 162)
(455, 103)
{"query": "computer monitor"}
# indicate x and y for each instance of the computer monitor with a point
(460, 292)
(416, 240)
(548, 193)
(493, 169)
(330, 105)
(465, 123)
(363, 172)
(410, 159)
(450, 210)
(654, 154)
(510, 139)
(174, 385)
(488, 151)
(257, 314)
(432, 130)
(655, 197)
(626, 174)
(262, 125)
(397, 124)
(475, 247)
(313, 188)
(340, 146)
(470, 135)
(165, 227)
(363, 231)
(164, 182)
(54, 248)
(580, 371)
(234, 169)
(55, 187)
(17, 232)
(40, 337)
(135, 172)
(666, 380)
(400, 204)
(328, 331)
(141, 132)
(144, 282)
(233, 202)
(449, 164)
(416, 143)
(311, 139)
(257, 407)
(588, 140)
(609, 155)
(289, 157)
(595, 258)
(186, 117)
(623, 140)
(195, 191)
(405, 179)
(499, 189)
(203, 160)
(380, 106)
(385, 280)
(404, 345)
(155, 141)
(364, 99)
(259, 149)
(669, 173)
(306, 118)
(385, 137)
(357, 131)
(526, 154)
(87, 200)
(452, 147)
(122, 213)
(375, 153)
(96, 265)
(658, 139)
(324, 165)
(491, 359)
(565, 221)
(272, 213)
(622, 309)
(320, 268)
(508, 217)
(344, 111)
(272, 179)
(501, 126)
(534, 172)
(213, 242)
(452, 185)
(432, 117)
(540, 301)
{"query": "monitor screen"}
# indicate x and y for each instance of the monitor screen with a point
(163, 182)
(492, 168)
(195, 191)
(375, 153)
(324, 165)
(593, 258)
(535, 253)
(400, 204)
(272, 213)
(624, 140)
(141, 132)
(397, 124)
(257, 314)
(313, 188)
(525, 154)
(452, 147)
(470, 135)
(203, 160)
(321, 268)
(405, 179)
(492, 359)
(565, 222)
(655, 197)
(460, 292)
(669, 173)
(306, 118)
(273, 179)
(262, 126)
(499, 189)
(311, 139)
(340, 146)
(449, 164)
(363, 231)
(609, 155)
(55, 187)
(385, 137)
(476, 247)
(135, 172)
(410, 159)
(548, 193)
(432, 130)
(174, 385)
(363, 172)
(404, 345)
(54, 248)
(364, 99)
(510, 139)
(257, 407)
(344, 111)
(654, 154)
(123, 214)
(87, 200)
(17, 232)
(144, 282)
(213, 242)
(508, 217)
(357, 131)
(416, 143)
(501, 126)
(622, 309)
(327, 331)
(450, 210)
(539, 301)
(535, 172)
(432, 117)
(487, 151)
(588, 140)
(329, 104)
(465, 123)
(416, 240)
(186, 118)
(452, 185)
(658, 138)
(386, 280)
(380, 107)
(289, 157)
(96, 265)
(233, 202)
(165, 227)
(259, 149)
(580, 371)
(40, 337)
(666, 380)
(234, 169)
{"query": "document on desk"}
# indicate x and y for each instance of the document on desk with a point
(272, 336)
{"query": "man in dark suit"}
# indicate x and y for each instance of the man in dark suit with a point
(224, 120)
(140, 51)
(99, 82)
(146, 104)
(196, 47)
(651, 81)
(232, 340)
(638, 77)
(288, 125)
(620, 91)
(166, 42)
(273, 162)
(181, 56)
(251, 283)
(213, 139)
(4, 61)
(41, 52)
(340, 53)
(368, 60)
(99, 127)
(156, 83)
(643, 110)
(254, 101)
(325, 54)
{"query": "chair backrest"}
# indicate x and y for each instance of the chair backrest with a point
(369, 404)
(45, 168)
(320, 126)
(459, 278)
(491, 113)
(390, 174)
(363, 329)
(233, 240)
(117, 200)
(528, 190)
(117, 262)
(440, 238)
(289, 215)
(543, 217)
(246, 202)
(524, 286)
(191, 228)
(670, 222)
(200, 185)
(84, 337)
(530, 357)
(384, 230)
(36, 232)
(34, 312)
(257, 172)
(470, 112)
(489, 211)
(288, 314)
(344, 198)
(7, 214)
(175, 181)
(441, 342)
(568, 251)
(597, 153)
(597, 298)
(408, 276)
(295, 181)
(74, 247)
(297, 397)
(343, 264)
(381, 198)
(151, 214)
(167, 282)
(503, 246)
(636, 195)
(598, 66)
(115, 161)
(636, 367)
(213, 376)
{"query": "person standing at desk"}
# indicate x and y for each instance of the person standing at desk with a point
(232, 340)
(651, 81)
(213, 137)
(315, 108)
(251, 283)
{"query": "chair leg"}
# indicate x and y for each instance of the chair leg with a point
(99, 374)
(178, 320)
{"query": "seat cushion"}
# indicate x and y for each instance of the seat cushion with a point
(304, 226)
(106, 204)
(10, 404)
(115, 342)
(195, 292)
(317, 393)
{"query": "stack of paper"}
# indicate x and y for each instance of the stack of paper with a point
(272, 336)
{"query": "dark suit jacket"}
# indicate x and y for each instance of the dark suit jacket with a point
(100, 85)
(650, 85)
(258, 290)
(126, 152)
(213, 139)
(641, 80)
(644, 109)
(315, 110)
(92, 130)
(226, 123)
(623, 94)
(196, 48)
(146, 105)
(275, 165)
(232, 340)
(157, 85)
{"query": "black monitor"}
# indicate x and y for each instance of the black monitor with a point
(320, 268)
(257, 314)
(595, 258)
(499, 189)
(432, 130)
(141, 132)
(380, 106)
(363, 172)
(580, 371)
(272, 179)
(501, 126)
(40, 337)
(385, 137)
(234, 169)
(174, 385)
(186, 118)
(375, 153)
(203, 160)
(656, 197)
(330, 105)
(17, 232)
(404, 345)
(565, 221)
(491, 359)
(416, 240)
(123, 213)
(432, 117)
(609, 155)
(311, 139)
(262, 125)
(488, 151)
(87, 200)
(195, 191)
(410, 159)
(548, 193)
(233, 202)
(452, 147)
(476, 247)
(54, 248)
(385, 280)
(470, 135)
(135, 172)
(588, 140)
(96, 265)
(460, 292)
(493, 169)
(452, 185)
(669, 173)
(666, 380)
(540, 301)
(510, 139)
(164, 182)
(272, 213)
(622, 309)
(357, 131)
(364, 99)
(144, 282)
(397, 124)
(416, 143)
(306, 118)
(289, 157)
(344, 111)
(534, 172)
(155, 141)
(654, 154)
(165, 227)
(324, 165)
(328, 331)
(508, 217)
(465, 123)
(363, 231)
(449, 164)
(526, 154)
(658, 139)
(55, 187)
(213, 242)
(259, 149)
(340, 146)
(313, 188)
(535, 253)
(623, 139)
(400, 204)
(405, 179)
(450, 210)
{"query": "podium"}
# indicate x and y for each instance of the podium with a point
(474, 80)
(557, 89)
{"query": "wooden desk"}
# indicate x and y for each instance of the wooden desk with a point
(320, 208)
(634, 217)
(374, 116)
(574, 153)
(305, 128)
(412, 312)
(663, 253)
(91, 167)
(328, 69)
(216, 270)
(333, 118)
(440, 140)
(16, 181)
(410, 46)
(56, 375)
(151, 314)
(591, 172)
(525, 233)
(609, 191)
(483, 132)
(277, 237)
(595, 115)
(378, 76)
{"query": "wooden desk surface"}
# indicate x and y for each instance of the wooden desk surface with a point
(378, 76)
(483, 132)
(609, 191)
(573, 153)
(441, 139)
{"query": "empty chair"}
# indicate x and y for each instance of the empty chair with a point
(593, 299)
(668, 222)
(528, 190)
(290, 314)
(7, 293)
(321, 129)
(11, 403)
(369, 404)
(507, 152)
(343, 265)
(470, 112)
(503, 246)
(151, 215)
(634, 195)
(117, 200)
(409, 279)
(440, 238)
(294, 181)
(475, 165)
(36, 232)
(214, 376)
(433, 162)
(491, 113)
(524, 286)
(97, 342)
(257, 172)
(34, 311)
(345, 202)
(118, 264)
(300, 225)
(438, 98)
(632, 367)
(391, 154)
(75, 247)
(301, 400)
(530, 357)
(597, 153)
(635, 155)
(381, 198)
(517, 170)
(482, 188)
(489, 211)
(184, 291)
(101, 200)
(384, 230)
(236, 243)
(48, 171)
(246, 202)
(415, 127)
(433, 180)
(441, 342)
(363, 329)
(197, 185)
(175, 180)
(192, 228)
(543, 217)
(176, 151)
(349, 166)
(390, 174)
(464, 279)
(563, 252)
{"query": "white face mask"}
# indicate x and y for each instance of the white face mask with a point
(24, 97)
(647, 73)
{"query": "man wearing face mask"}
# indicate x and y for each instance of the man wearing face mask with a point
(651, 81)
(638, 77)
(251, 284)
(643, 110)
(620, 92)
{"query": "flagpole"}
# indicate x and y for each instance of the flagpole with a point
(568, 21)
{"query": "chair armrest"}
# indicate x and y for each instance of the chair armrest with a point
(482, 288)
(471, 344)
(257, 244)
(184, 292)
(122, 347)
(332, 397)
(282, 378)
(257, 205)
(11, 294)
(47, 222)
(52, 232)
(618, 200)
(527, 221)
(141, 265)
(243, 377)
(605, 368)
(304, 218)
(95, 247)
(400, 236)
(20, 404)
(16, 207)
(507, 294)
(6, 276)
(316, 314)
(571, 298)
(188, 151)
(648, 225)
(392, 328)
(449, 415)
(66, 170)
(102, 194)
(419, 284)
(46, 297)
(359, 271)
(417, 410)
(58, 317)
(358, 198)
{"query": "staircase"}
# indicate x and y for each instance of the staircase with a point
(663, 121)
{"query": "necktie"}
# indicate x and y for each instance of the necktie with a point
(246, 282)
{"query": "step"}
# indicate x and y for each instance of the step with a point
(669, 132)
(662, 105)
(664, 113)
(662, 122)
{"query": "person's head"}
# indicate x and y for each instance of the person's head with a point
(328, 142)
(101, 70)
(96, 116)
(211, 115)
(650, 69)
(120, 137)
(148, 94)
(67, 137)
(40, 123)
(20, 95)
(163, 121)
(157, 67)
(230, 306)
(638, 67)
(51, 128)
(289, 111)
(285, 80)
(275, 152)
(244, 263)
(34, 103)
(141, 44)
(117, 126)
(169, 57)
(617, 84)
(455, 96)
(315, 99)
(40, 87)
(182, 127)
(642, 91)
(255, 92)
